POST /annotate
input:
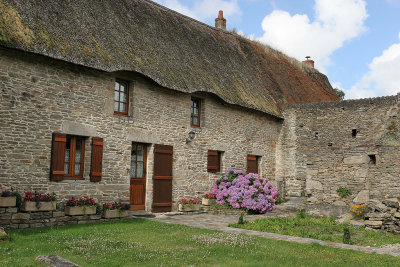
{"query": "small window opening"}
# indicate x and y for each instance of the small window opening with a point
(330, 144)
(372, 159)
(316, 135)
(354, 132)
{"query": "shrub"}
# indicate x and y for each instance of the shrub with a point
(189, 201)
(343, 191)
(116, 206)
(29, 196)
(241, 219)
(83, 201)
(358, 211)
(210, 196)
(5, 193)
(301, 214)
(249, 191)
(346, 235)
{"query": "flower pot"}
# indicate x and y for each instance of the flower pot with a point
(41, 206)
(84, 210)
(189, 207)
(8, 201)
(108, 214)
(207, 201)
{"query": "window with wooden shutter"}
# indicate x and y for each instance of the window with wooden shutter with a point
(67, 157)
(58, 156)
(97, 159)
(214, 161)
(252, 163)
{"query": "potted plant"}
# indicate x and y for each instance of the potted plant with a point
(39, 202)
(84, 206)
(7, 199)
(189, 204)
(208, 199)
(115, 210)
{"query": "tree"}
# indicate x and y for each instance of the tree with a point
(340, 93)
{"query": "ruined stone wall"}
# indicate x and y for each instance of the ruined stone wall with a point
(354, 144)
(40, 96)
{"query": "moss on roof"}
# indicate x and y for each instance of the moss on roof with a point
(175, 51)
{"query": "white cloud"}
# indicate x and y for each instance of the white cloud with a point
(204, 9)
(383, 77)
(335, 23)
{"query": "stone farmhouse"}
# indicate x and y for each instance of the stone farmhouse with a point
(128, 100)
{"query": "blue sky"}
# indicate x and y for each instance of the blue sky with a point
(356, 43)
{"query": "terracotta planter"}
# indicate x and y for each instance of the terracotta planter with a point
(189, 207)
(86, 210)
(8, 201)
(108, 214)
(43, 206)
(207, 201)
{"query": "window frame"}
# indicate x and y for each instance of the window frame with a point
(70, 175)
(198, 101)
(119, 113)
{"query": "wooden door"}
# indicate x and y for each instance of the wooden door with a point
(162, 180)
(138, 176)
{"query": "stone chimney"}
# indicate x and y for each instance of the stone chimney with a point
(220, 22)
(309, 61)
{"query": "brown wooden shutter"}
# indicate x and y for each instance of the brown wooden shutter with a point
(97, 159)
(213, 161)
(252, 164)
(58, 156)
(162, 180)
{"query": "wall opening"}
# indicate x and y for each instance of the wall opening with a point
(354, 132)
(372, 159)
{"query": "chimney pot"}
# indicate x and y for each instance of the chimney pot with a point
(220, 22)
(308, 61)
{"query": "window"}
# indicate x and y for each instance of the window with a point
(252, 163)
(214, 161)
(74, 157)
(121, 98)
(138, 161)
(195, 107)
(67, 157)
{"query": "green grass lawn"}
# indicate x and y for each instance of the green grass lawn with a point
(142, 242)
(320, 228)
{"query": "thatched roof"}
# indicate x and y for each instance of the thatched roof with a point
(175, 51)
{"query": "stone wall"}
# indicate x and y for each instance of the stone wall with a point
(12, 218)
(40, 96)
(354, 144)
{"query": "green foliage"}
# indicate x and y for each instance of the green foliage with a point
(303, 194)
(346, 235)
(141, 242)
(321, 229)
(301, 214)
(343, 191)
(340, 93)
(99, 209)
(241, 219)
(279, 200)
(18, 198)
(392, 128)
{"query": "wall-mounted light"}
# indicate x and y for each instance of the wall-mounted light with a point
(192, 134)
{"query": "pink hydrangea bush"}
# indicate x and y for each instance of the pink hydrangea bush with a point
(249, 191)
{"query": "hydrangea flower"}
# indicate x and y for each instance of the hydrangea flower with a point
(245, 191)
